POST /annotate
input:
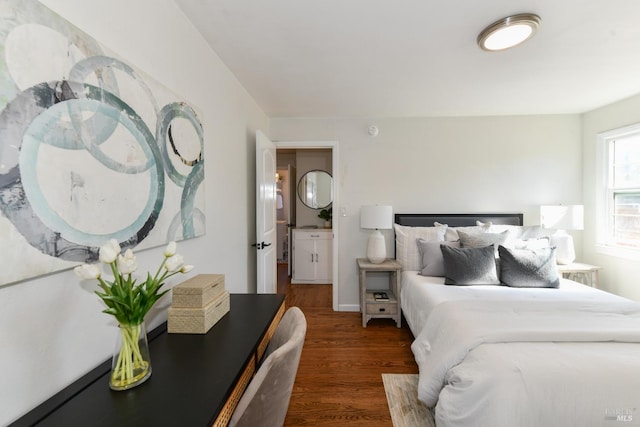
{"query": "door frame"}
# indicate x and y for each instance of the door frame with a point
(333, 145)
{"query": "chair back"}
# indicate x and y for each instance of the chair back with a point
(266, 399)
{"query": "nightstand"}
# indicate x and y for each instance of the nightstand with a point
(369, 307)
(583, 273)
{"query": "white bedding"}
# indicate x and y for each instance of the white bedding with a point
(516, 385)
(420, 294)
(499, 356)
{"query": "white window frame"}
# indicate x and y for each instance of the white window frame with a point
(604, 196)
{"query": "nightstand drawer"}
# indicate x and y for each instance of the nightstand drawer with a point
(382, 307)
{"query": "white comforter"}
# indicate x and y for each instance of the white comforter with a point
(420, 294)
(530, 361)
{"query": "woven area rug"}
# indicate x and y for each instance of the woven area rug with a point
(402, 397)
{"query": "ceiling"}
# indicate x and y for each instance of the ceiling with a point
(419, 58)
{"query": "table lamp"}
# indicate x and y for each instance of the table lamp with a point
(562, 218)
(376, 218)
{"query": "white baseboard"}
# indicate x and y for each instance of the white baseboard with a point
(348, 307)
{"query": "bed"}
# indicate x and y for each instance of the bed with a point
(535, 352)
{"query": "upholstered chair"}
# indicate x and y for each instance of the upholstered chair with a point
(266, 399)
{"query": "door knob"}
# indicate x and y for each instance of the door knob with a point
(261, 245)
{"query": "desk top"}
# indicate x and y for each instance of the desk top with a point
(192, 377)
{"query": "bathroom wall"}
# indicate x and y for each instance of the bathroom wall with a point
(308, 160)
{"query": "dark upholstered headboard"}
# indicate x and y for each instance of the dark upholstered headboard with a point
(456, 220)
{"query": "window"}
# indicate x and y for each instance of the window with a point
(619, 190)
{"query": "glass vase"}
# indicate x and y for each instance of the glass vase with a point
(131, 365)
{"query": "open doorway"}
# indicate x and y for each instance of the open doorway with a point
(293, 161)
(285, 217)
(283, 222)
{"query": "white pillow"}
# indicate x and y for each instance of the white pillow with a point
(407, 253)
(530, 244)
(451, 234)
(524, 232)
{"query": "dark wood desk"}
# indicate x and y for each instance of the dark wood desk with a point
(194, 376)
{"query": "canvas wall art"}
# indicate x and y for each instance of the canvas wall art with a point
(90, 149)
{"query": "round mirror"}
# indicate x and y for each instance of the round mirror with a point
(315, 189)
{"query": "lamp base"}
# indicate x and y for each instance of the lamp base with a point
(565, 251)
(376, 250)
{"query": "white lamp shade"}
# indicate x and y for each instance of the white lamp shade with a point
(562, 217)
(375, 217)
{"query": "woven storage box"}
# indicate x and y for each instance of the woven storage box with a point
(182, 320)
(198, 291)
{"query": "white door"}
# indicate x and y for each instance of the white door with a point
(291, 220)
(266, 233)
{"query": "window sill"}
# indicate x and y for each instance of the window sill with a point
(619, 252)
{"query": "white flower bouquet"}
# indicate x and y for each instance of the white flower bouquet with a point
(129, 302)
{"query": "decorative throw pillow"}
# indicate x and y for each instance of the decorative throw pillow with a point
(530, 232)
(469, 266)
(525, 268)
(479, 240)
(432, 263)
(407, 253)
(524, 232)
(531, 244)
(451, 235)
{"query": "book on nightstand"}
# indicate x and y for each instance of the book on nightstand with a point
(380, 296)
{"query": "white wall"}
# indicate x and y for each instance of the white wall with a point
(444, 165)
(618, 275)
(51, 329)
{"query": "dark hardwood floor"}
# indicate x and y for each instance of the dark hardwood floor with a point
(339, 379)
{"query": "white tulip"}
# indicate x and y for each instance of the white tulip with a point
(115, 245)
(170, 250)
(109, 251)
(127, 264)
(174, 263)
(186, 268)
(88, 271)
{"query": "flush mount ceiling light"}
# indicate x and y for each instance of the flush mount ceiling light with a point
(509, 32)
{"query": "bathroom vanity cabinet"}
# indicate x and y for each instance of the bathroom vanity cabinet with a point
(312, 255)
